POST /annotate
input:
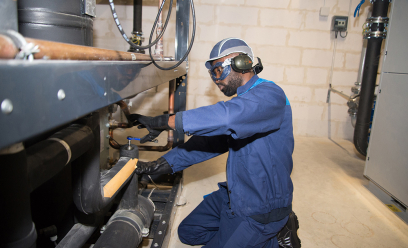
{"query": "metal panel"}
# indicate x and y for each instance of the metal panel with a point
(8, 15)
(47, 94)
(182, 36)
(387, 157)
(397, 53)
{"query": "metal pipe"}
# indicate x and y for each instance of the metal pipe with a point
(63, 51)
(137, 16)
(124, 107)
(361, 131)
(170, 138)
(341, 93)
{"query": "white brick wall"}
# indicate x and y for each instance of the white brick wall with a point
(293, 41)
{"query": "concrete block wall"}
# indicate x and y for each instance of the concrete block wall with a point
(294, 42)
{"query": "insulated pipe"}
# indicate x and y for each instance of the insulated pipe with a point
(132, 219)
(46, 158)
(77, 236)
(94, 189)
(380, 9)
(130, 223)
(17, 228)
(62, 51)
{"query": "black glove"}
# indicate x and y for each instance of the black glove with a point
(155, 125)
(157, 167)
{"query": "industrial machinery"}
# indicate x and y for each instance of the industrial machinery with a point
(60, 185)
(378, 113)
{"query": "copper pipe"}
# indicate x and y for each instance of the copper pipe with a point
(124, 107)
(63, 51)
(119, 125)
(112, 142)
(170, 137)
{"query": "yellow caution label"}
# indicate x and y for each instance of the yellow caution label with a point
(393, 208)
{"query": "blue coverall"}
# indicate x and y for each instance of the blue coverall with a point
(256, 128)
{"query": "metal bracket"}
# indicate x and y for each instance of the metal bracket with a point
(368, 27)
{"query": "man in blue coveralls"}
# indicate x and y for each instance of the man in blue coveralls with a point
(254, 207)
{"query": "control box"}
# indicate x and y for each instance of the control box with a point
(339, 23)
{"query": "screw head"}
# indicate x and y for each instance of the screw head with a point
(6, 106)
(156, 245)
(61, 94)
(164, 222)
(145, 232)
(160, 232)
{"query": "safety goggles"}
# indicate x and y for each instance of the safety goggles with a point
(220, 70)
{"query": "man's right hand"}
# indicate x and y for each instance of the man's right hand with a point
(155, 125)
(160, 166)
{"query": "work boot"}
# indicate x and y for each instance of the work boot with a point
(287, 237)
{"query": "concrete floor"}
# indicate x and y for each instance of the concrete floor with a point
(331, 200)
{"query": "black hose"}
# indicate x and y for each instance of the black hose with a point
(46, 158)
(189, 47)
(361, 131)
(119, 26)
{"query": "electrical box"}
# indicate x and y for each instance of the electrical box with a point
(339, 23)
(324, 11)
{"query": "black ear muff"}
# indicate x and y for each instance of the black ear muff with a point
(242, 63)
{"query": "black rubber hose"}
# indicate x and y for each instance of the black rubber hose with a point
(373, 51)
(189, 47)
(119, 26)
(46, 158)
(17, 228)
(137, 16)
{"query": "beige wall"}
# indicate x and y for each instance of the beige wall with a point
(290, 37)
